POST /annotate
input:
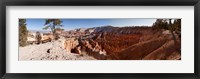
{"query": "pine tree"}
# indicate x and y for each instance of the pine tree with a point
(172, 29)
(23, 33)
(52, 24)
(168, 25)
(160, 24)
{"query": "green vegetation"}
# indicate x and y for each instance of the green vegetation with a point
(174, 28)
(177, 25)
(168, 25)
(23, 33)
(53, 24)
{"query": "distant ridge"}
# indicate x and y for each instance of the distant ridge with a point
(41, 31)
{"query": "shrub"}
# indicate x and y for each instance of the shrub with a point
(38, 37)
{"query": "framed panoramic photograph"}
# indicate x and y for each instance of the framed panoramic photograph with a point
(74, 39)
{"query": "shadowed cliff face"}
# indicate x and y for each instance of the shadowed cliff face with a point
(127, 43)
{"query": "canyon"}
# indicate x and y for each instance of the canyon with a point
(108, 43)
(129, 43)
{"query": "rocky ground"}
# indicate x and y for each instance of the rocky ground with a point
(49, 51)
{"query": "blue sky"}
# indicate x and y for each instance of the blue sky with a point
(70, 24)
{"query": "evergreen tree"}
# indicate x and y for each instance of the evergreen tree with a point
(52, 24)
(160, 24)
(23, 33)
(177, 26)
(168, 25)
(172, 29)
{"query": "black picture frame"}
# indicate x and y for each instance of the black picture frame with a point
(4, 3)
